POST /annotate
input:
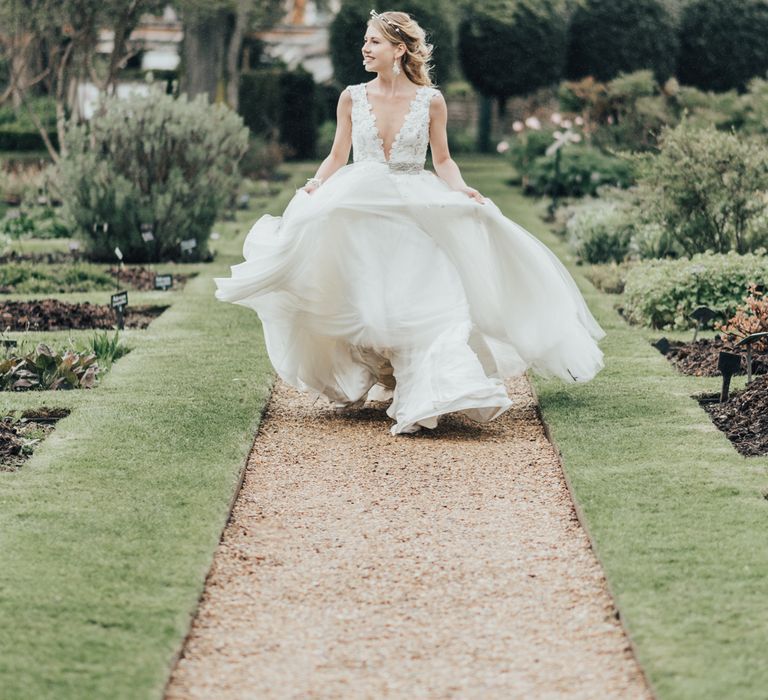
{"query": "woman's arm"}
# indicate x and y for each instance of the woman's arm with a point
(342, 142)
(445, 166)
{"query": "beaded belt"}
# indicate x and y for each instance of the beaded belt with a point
(405, 167)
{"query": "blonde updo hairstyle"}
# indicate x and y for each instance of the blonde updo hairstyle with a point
(401, 28)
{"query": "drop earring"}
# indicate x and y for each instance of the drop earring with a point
(396, 67)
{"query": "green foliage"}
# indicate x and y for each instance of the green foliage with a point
(600, 231)
(349, 25)
(262, 158)
(607, 37)
(723, 43)
(583, 169)
(611, 230)
(36, 221)
(298, 126)
(32, 278)
(662, 293)
(527, 146)
(44, 368)
(106, 349)
(512, 47)
(170, 163)
(281, 105)
(709, 188)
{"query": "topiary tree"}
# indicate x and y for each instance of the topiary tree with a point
(348, 28)
(511, 47)
(608, 37)
(151, 161)
(723, 43)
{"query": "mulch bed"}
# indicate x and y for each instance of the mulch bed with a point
(56, 315)
(699, 359)
(143, 279)
(744, 417)
(16, 441)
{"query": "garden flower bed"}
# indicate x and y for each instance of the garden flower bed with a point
(744, 417)
(19, 436)
(54, 315)
(699, 358)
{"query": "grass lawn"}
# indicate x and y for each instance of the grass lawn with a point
(108, 531)
(676, 515)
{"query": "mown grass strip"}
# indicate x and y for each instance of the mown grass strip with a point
(676, 515)
(108, 531)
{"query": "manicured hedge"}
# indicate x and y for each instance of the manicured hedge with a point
(607, 37)
(723, 43)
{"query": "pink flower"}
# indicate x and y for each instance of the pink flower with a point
(533, 123)
(518, 126)
(502, 147)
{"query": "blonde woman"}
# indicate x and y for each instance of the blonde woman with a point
(383, 280)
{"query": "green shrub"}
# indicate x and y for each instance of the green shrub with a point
(44, 368)
(262, 158)
(583, 170)
(600, 231)
(606, 37)
(723, 43)
(348, 29)
(528, 145)
(708, 188)
(662, 293)
(169, 163)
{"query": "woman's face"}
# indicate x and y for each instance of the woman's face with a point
(378, 52)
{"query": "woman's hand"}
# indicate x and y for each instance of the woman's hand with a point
(472, 193)
(312, 184)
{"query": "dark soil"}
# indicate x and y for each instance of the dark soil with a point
(55, 315)
(744, 417)
(49, 258)
(699, 359)
(19, 436)
(143, 278)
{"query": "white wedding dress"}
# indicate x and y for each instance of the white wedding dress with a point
(385, 283)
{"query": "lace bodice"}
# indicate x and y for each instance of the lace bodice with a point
(409, 149)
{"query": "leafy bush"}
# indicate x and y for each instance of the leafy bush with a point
(170, 163)
(600, 232)
(44, 368)
(527, 146)
(348, 29)
(608, 277)
(583, 170)
(262, 158)
(607, 37)
(708, 188)
(662, 293)
(722, 43)
(750, 317)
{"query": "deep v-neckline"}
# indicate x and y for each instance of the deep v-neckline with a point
(375, 124)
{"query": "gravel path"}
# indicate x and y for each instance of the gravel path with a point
(446, 564)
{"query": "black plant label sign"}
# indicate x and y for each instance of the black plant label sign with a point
(119, 300)
(163, 281)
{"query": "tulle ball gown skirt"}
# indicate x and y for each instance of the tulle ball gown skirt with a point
(391, 285)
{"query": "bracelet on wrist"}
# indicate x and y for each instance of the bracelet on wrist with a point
(316, 181)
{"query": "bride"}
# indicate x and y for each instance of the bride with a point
(383, 280)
